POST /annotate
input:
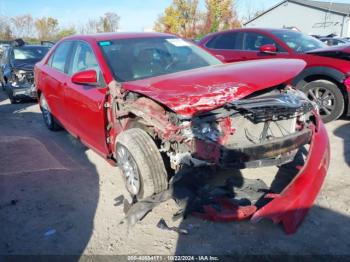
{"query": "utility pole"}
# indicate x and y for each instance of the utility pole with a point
(327, 14)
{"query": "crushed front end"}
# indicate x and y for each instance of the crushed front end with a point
(21, 85)
(263, 130)
(266, 128)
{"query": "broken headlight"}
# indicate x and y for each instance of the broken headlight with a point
(21, 78)
(207, 130)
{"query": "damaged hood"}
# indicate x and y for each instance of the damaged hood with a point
(27, 65)
(204, 89)
(339, 52)
(340, 48)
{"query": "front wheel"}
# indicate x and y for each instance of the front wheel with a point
(328, 97)
(141, 163)
(13, 100)
(48, 118)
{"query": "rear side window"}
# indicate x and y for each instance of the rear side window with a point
(59, 58)
(230, 41)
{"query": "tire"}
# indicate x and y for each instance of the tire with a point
(13, 101)
(145, 162)
(328, 97)
(48, 118)
(9, 92)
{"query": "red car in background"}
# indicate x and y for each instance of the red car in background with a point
(149, 102)
(326, 78)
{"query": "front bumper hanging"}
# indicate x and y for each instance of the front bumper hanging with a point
(292, 204)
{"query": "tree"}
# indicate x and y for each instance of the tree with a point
(65, 32)
(180, 18)
(91, 27)
(5, 29)
(23, 26)
(221, 15)
(252, 9)
(109, 22)
(184, 18)
(46, 27)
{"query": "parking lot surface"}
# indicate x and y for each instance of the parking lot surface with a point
(59, 197)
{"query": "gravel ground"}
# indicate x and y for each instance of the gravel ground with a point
(58, 197)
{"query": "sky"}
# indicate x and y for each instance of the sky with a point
(136, 15)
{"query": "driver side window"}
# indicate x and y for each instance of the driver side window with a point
(253, 41)
(85, 59)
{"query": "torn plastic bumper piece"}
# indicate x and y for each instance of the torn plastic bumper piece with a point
(292, 204)
(266, 153)
(224, 210)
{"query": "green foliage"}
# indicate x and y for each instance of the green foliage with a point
(65, 32)
(180, 18)
(221, 15)
(46, 27)
(184, 18)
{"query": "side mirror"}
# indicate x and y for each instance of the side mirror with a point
(268, 49)
(87, 77)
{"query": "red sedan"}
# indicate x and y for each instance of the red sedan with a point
(326, 77)
(149, 102)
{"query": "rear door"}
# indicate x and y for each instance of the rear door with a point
(251, 47)
(228, 45)
(53, 78)
(85, 103)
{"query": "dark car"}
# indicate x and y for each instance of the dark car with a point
(331, 41)
(17, 65)
(152, 102)
(326, 78)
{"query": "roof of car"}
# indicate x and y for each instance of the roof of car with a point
(111, 36)
(26, 45)
(254, 29)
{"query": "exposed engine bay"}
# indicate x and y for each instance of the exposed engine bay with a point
(267, 128)
(263, 129)
(22, 79)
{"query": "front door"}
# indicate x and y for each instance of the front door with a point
(252, 42)
(86, 102)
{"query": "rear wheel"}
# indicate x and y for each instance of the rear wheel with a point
(328, 97)
(49, 119)
(141, 163)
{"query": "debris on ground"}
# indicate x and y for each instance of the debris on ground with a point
(163, 225)
(233, 201)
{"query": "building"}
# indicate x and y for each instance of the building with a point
(310, 17)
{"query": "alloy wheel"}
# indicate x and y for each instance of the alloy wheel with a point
(129, 169)
(46, 111)
(324, 98)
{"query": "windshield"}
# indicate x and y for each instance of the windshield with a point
(29, 52)
(300, 42)
(133, 59)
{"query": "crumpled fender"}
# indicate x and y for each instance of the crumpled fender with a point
(292, 204)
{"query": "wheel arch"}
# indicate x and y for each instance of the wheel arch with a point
(323, 73)
(319, 73)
